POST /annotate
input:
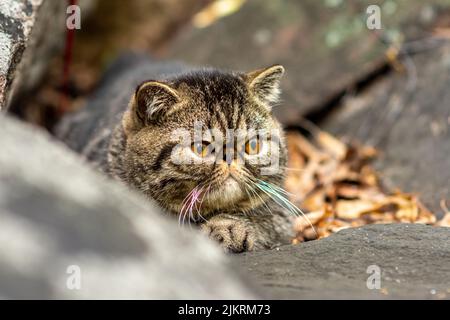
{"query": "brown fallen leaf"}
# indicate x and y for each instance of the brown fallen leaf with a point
(335, 182)
(216, 10)
(332, 145)
(354, 209)
(445, 221)
(310, 218)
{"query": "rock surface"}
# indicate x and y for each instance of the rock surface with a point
(407, 117)
(24, 51)
(56, 213)
(413, 260)
(31, 32)
(325, 46)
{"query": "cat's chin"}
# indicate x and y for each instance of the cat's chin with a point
(231, 186)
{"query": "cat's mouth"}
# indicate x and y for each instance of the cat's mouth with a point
(225, 194)
(231, 185)
(229, 188)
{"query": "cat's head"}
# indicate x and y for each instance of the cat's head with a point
(204, 140)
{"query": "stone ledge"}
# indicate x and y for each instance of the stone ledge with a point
(25, 43)
(414, 261)
(31, 33)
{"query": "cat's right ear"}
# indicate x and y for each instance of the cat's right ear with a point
(153, 99)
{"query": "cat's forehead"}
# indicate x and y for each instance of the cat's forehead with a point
(218, 99)
(222, 116)
(213, 84)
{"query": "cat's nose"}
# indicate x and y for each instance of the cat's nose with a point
(230, 169)
(233, 167)
(228, 157)
(230, 154)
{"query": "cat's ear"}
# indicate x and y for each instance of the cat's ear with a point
(153, 99)
(264, 84)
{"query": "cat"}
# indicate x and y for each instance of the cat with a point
(229, 197)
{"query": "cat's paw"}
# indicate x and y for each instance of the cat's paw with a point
(234, 234)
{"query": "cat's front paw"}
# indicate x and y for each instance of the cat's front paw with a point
(234, 234)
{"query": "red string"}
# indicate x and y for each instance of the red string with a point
(70, 37)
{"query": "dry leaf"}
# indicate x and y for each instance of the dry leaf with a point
(310, 218)
(332, 145)
(354, 209)
(445, 221)
(335, 182)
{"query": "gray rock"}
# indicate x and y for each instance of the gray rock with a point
(25, 42)
(56, 213)
(407, 117)
(414, 262)
(325, 46)
(31, 32)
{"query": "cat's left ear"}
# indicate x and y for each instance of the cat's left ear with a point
(265, 84)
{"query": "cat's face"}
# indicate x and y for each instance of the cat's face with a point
(201, 142)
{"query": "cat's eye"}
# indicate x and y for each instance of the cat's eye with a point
(253, 146)
(201, 149)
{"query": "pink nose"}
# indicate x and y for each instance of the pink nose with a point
(232, 168)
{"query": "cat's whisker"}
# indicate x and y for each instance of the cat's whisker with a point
(250, 196)
(283, 201)
(280, 189)
(277, 198)
(252, 189)
(201, 202)
(185, 200)
(193, 202)
(184, 206)
(189, 209)
(247, 179)
(292, 169)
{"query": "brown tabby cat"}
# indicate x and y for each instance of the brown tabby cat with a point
(231, 200)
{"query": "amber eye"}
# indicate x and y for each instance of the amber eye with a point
(252, 146)
(201, 149)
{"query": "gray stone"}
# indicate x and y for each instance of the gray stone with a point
(325, 46)
(414, 262)
(31, 32)
(56, 212)
(26, 43)
(407, 117)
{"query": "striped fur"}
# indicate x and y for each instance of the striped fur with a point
(233, 212)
